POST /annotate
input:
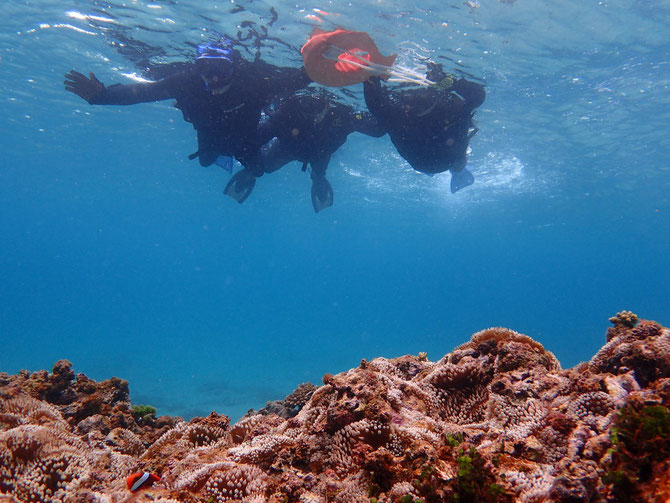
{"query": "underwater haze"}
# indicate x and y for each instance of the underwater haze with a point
(124, 257)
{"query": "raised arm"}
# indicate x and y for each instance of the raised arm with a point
(95, 92)
(376, 98)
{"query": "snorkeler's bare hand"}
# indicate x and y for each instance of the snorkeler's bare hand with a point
(82, 86)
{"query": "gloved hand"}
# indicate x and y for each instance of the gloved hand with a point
(82, 86)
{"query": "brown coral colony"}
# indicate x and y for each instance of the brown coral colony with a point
(497, 419)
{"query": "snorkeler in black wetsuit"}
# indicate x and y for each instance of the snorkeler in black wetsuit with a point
(430, 127)
(309, 129)
(221, 94)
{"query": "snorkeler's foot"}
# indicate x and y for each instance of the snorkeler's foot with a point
(322, 194)
(461, 179)
(240, 185)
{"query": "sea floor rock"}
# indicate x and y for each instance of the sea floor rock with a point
(495, 420)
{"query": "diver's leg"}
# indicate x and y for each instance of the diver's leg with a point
(322, 191)
(241, 184)
(207, 153)
(372, 92)
(251, 158)
(207, 157)
(275, 154)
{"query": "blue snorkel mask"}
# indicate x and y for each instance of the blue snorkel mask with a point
(214, 63)
(214, 51)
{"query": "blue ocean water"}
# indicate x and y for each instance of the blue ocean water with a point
(119, 254)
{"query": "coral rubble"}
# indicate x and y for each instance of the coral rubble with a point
(496, 420)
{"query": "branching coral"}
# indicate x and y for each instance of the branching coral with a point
(626, 318)
(238, 483)
(125, 442)
(41, 463)
(199, 435)
(261, 450)
(643, 350)
(300, 396)
(32, 411)
(242, 429)
(592, 409)
(531, 486)
(194, 478)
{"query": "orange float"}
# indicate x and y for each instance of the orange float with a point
(343, 58)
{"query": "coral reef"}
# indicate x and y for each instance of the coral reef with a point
(289, 406)
(495, 420)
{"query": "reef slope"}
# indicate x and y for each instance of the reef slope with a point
(495, 420)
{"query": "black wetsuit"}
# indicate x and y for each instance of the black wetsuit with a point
(226, 123)
(310, 128)
(429, 127)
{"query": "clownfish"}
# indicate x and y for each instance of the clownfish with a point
(141, 480)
